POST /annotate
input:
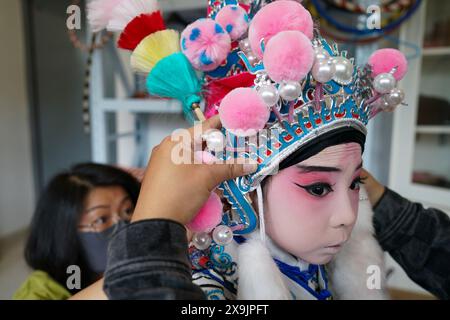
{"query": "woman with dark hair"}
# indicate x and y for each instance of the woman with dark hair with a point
(76, 215)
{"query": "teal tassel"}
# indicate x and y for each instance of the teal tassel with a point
(174, 77)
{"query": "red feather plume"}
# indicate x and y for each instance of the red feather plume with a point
(217, 89)
(140, 27)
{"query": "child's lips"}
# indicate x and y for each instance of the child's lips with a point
(337, 246)
(333, 249)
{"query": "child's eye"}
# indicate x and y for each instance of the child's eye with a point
(317, 189)
(356, 184)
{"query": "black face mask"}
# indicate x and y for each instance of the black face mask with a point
(95, 246)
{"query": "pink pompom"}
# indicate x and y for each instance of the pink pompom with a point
(209, 216)
(234, 20)
(275, 17)
(206, 44)
(289, 56)
(384, 60)
(243, 112)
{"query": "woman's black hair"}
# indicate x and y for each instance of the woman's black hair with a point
(53, 243)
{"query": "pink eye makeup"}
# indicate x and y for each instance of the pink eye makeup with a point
(317, 189)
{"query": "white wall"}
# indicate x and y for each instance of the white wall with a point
(16, 177)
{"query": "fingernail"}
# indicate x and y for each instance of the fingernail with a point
(250, 168)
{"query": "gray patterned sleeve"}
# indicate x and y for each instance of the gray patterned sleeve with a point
(417, 238)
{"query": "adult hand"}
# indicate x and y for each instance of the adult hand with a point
(375, 190)
(178, 191)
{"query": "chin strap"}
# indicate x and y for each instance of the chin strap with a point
(262, 225)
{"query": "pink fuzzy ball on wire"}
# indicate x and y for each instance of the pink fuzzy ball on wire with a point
(275, 17)
(234, 20)
(384, 60)
(243, 112)
(209, 216)
(289, 56)
(206, 44)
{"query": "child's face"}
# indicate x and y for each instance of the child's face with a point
(311, 207)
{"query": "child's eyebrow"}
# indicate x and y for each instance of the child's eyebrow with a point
(308, 169)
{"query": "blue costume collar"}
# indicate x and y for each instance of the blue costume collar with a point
(303, 278)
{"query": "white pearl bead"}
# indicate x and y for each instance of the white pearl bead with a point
(384, 105)
(290, 90)
(344, 70)
(201, 240)
(384, 83)
(395, 97)
(223, 235)
(269, 94)
(244, 45)
(321, 54)
(215, 140)
(323, 70)
(252, 59)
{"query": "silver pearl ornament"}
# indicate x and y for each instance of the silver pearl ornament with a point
(344, 70)
(386, 107)
(384, 83)
(201, 240)
(244, 45)
(383, 105)
(252, 59)
(320, 54)
(290, 90)
(269, 94)
(223, 235)
(323, 70)
(215, 140)
(395, 97)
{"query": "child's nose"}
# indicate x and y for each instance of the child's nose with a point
(345, 213)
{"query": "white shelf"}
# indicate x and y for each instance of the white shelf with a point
(104, 108)
(438, 51)
(174, 5)
(405, 156)
(141, 105)
(433, 129)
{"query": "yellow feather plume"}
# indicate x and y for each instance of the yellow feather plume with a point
(153, 48)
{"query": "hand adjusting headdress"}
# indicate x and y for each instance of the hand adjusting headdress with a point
(269, 74)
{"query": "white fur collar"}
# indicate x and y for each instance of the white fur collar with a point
(360, 260)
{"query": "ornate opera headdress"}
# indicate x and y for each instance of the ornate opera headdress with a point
(265, 67)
